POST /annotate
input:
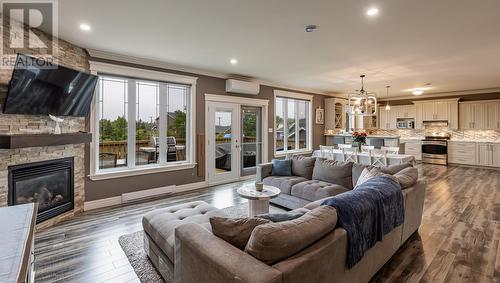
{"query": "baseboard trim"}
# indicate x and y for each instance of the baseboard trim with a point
(100, 203)
(150, 193)
(222, 182)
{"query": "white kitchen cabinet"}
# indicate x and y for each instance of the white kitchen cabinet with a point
(392, 119)
(383, 116)
(413, 147)
(488, 154)
(462, 152)
(479, 113)
(483, 154)
(441, 110)
(465, 116)
(495, 151)
(404, 111)
(388, 118)
(429, 111)
(475, 115)
(434, 110)
(492, 115)
(334, 114)
(419, 115)
(410, 111)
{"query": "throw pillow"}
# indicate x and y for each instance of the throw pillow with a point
(357, 169)
(334, 172)
(281, 216)
(369, 173)
(303, 166)
(282, 167)
(407, 177)
(273, 242)
(235, 231)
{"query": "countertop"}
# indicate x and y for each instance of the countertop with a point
(18, 223)
(369, 136)
(452, 140)
(477, 141)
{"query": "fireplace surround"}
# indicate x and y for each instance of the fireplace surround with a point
(50, 183)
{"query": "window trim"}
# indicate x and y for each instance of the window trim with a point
(296, 96)
(148, 75)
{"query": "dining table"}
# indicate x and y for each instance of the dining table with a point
(364, 158)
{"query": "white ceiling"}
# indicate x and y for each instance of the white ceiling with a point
(453, 44)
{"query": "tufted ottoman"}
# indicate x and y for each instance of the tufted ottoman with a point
(159, 228)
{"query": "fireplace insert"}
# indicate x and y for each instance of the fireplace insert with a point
(48, 183)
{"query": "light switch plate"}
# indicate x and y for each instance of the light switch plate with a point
(270, 130)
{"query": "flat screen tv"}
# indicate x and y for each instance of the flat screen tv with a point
(36, 89)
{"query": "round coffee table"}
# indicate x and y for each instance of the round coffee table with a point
(258, 202)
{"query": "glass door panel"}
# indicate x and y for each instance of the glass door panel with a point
(223, 147)
(223, 141)
(251, 139)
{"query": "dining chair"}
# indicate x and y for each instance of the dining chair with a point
(341, 145)
(350, 154)
(367, 148)
(377, 157)
(326, 151)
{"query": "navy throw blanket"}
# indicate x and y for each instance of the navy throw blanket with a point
(367, 213)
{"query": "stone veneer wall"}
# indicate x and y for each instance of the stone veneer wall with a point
(70, 56)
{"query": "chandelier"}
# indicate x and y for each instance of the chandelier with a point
(362, 103)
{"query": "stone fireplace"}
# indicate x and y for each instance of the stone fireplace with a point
(20, 157)
(67, 55)
(47, 183)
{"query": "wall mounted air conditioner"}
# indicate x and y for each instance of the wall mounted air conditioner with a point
(238, 86)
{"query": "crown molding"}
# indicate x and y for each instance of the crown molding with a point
(105, 55)
(442, 94)
(151, 63)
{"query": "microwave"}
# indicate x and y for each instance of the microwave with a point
(405, 123)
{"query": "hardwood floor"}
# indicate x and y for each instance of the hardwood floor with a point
(457, 242)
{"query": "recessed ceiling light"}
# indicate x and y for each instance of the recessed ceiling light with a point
(372, 12)
(84, 27)
(311, 28)
(417, 91)
(233, 61)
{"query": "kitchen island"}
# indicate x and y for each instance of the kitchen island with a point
(375, 140)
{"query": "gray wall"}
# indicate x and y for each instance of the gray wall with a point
(205, 84)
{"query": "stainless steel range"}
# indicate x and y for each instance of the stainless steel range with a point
(435, 150)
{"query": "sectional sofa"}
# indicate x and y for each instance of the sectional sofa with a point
(181, 245)
(317, 178)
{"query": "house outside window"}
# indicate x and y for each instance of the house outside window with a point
(292, 123)
(142, 125)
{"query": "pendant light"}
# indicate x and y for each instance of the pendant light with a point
(362, 102)
(388, 107)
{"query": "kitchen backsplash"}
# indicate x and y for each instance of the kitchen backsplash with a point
(482, 135)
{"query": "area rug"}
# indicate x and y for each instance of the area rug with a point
(132, 245)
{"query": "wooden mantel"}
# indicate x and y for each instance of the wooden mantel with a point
(35, 140)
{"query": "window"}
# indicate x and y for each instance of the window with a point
(292, 124)
(142, 124)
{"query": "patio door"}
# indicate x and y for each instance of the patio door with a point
(223, 142)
